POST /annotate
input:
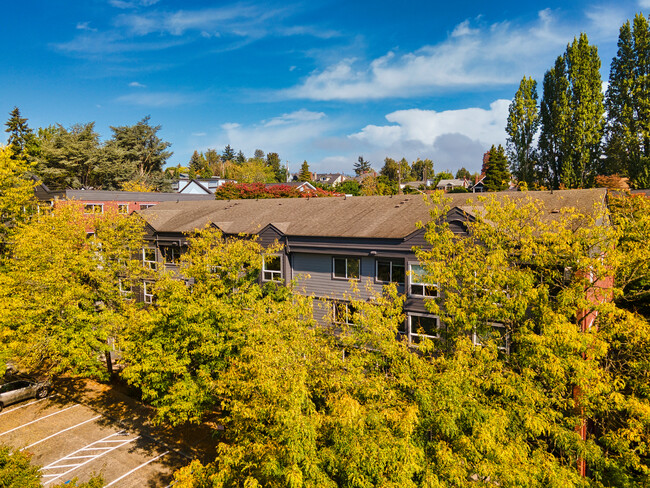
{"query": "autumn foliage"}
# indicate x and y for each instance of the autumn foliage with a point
(238, 191)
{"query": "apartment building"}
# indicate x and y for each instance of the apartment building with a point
(330, 242)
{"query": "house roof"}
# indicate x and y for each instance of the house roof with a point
(121, 196)
(356, 217)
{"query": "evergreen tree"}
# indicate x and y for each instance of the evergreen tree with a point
(240, 158)
(554, 118)
(258, 154)
(628, 105)
(361, 166)
(572, 117)
(140, 148)
(523, 121)
(421, 170)
(463, 173)
(273, 162)
(497, 177)
(228, 153)
(75, 158)
(213, 161)
(21, 138)
(305, 174)
(197, 163)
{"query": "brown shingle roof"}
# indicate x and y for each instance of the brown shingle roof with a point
(361, 217)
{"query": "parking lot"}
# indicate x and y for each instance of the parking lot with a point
(71, 440)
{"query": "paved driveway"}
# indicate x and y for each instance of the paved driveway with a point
(69, 439)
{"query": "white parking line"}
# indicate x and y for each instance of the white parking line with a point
(38, 420)
(55, 476)
(27, 404)
(135, 469)
(60, 432)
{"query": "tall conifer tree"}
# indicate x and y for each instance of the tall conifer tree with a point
(628, 105)
(523, 122)
(497, 177)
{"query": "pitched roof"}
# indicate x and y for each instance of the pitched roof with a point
(361, 217)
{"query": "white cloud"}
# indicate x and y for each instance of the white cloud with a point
(451, 138)
(85, 26)
(301, 115)
(425, 126)
(644, 3)
(124, 4)
(291, 135)
(159, 99)
(474, 55)
(135, 84)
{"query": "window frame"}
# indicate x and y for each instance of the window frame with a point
(175, 250)
(144, 206)
(147, 263)
(147, 297)
(410, 333)
(121, 206)
(350, 310)
(274, 275)
(476, 340)
(94, 207)
(347, 269)
(423, 284)
(392, 263)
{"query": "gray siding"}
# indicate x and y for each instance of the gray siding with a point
(313, 276)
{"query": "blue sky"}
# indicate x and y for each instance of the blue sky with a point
(318, 81)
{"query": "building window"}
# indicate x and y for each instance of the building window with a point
(272, 267)
(123, 208)
(149, 258)
(389, 271)
(418, 282)
(495, 331)
(171, 254)
(144, 206)
(343, 313)
(93, 208)
(213, 184)
(147, 291)
(420, 326)
(347, 268)
(125, 289)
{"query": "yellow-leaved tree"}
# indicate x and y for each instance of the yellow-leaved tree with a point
(62, 292)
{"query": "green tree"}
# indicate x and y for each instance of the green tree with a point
(523, 122)
(422, 170)
(349, 187)
(463, 173)
(140, 148)
(75, 158)
(197, 162)
(21, 139)
(228, 154)
(628, 105)
(259, 154)
(555, 117)
(396, 171)
(213, 162)
(63, 289)
(305, 173)
(280, 172)
(497, 177)
(361, 166)
(572, 117)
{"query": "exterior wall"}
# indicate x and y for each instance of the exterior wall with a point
(314, 275)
